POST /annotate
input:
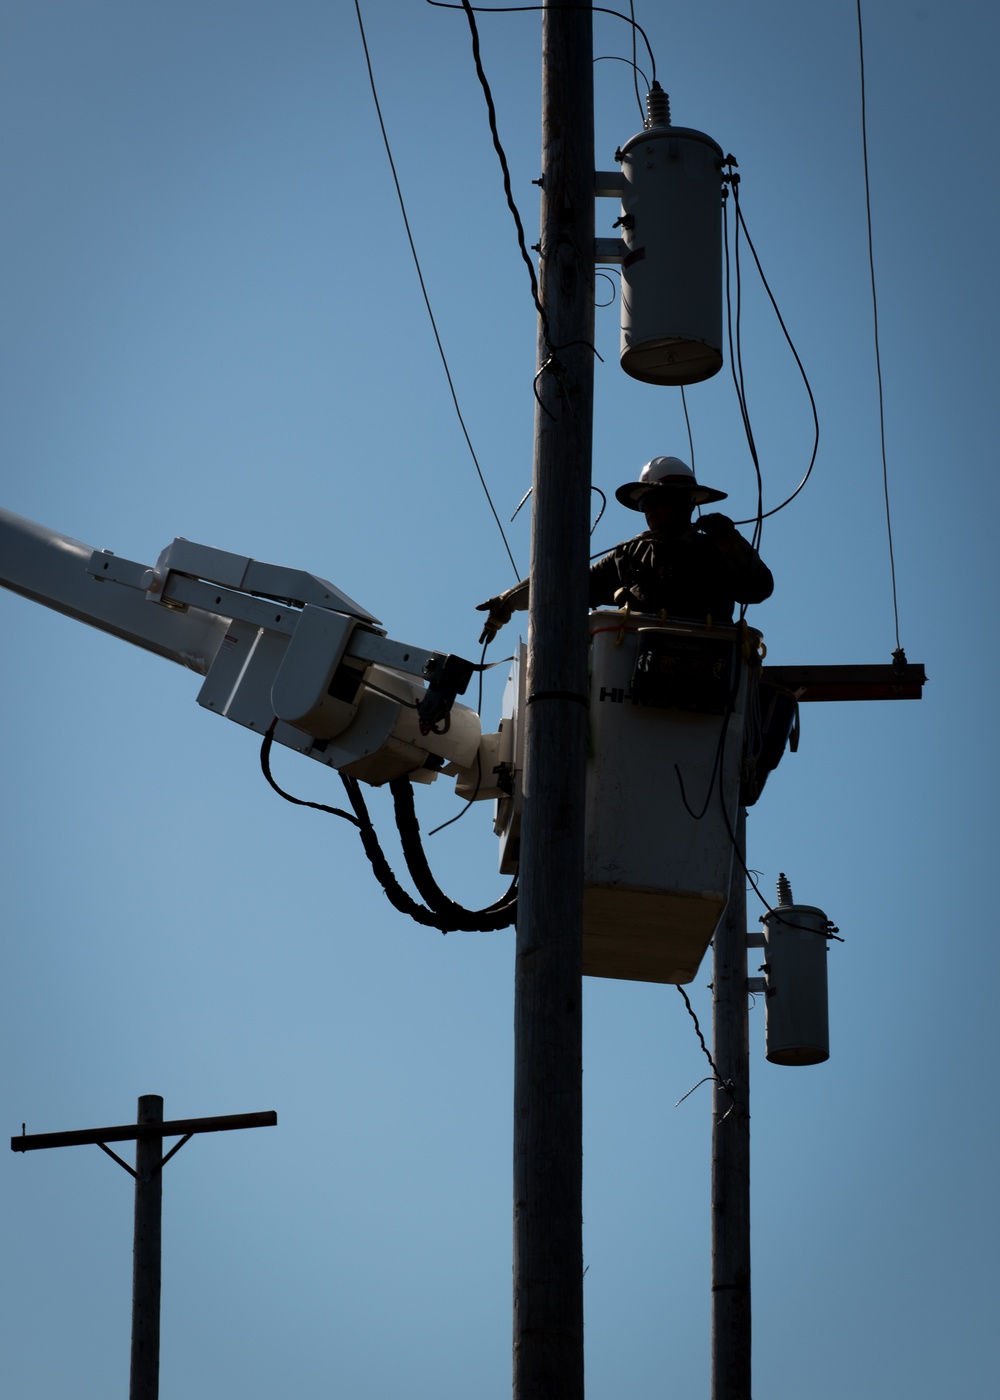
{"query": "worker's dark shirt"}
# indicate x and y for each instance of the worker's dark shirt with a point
(687, 575)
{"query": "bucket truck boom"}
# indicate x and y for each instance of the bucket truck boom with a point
(276, 647)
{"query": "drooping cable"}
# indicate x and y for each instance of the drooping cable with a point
(831, 931)
(720, 749)
(443, 913)
(726, 1085)
(636, 72)
(550, 364)
(594, 491)
(898, 653)
(733, 331)
(525, 9)
(736, 361)
(635, 57)
(265, 768)
(795, 355)
(491, 112)
(718, 764)
(687, 421)
(423, 289)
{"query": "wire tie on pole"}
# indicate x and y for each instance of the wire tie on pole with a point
(559, 695)
(709, 1078)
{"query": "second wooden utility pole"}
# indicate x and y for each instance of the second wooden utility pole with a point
(731, 1320)
(548, 1118)
(731, 1142)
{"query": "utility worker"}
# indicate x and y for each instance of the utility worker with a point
(697, 570)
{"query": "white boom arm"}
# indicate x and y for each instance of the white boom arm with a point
(273, 644)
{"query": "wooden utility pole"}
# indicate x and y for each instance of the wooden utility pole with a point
(144, 1371)
(548, 1117)
(731, 1142)
(731, 1321)
(148, 1133)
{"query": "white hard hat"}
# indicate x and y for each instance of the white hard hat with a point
(669, 473)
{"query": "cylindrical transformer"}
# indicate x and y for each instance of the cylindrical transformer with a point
(671, 228)
(797, 1029)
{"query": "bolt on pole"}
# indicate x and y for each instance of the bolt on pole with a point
(548, 1151)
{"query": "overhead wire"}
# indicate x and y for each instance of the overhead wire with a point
(735, 334)
(727, 1085)
(550, 364)
(878, 357)
(636, 72)
(687, 421)
(741, 225)
(491, 111)
(635, 58)
(525, 9)
(775, 910)
(423, 289)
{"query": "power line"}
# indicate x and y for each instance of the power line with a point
(525, 9)
(491, 113)
(878, 357)
(741, 225)
(423, 289)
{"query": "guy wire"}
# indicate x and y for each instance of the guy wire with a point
(878, 357)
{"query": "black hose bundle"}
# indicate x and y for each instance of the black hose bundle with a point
(442, 912)
(500, 914)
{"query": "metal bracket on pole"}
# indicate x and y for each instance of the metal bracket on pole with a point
(609, 250)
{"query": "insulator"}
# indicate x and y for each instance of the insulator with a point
(784, 890)
(657, 107)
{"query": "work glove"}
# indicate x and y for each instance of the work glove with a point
(716, 526)
(498, 612)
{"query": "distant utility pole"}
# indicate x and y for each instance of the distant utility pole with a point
(148, 1133)
(731, 1312)
(548, 1116)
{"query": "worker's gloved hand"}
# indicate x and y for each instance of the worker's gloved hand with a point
(716, 526)
(499, 610)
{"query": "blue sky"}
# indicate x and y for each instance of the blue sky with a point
(212, 328)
